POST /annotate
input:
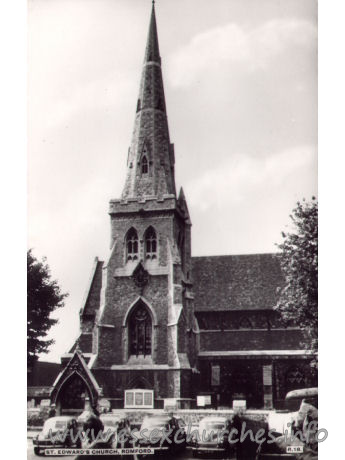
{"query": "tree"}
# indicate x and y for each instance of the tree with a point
(43, 297)
(298, 302)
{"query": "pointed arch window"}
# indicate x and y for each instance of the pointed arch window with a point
(144, 165)
(294, 379)
(132, 246)
(140, 331)
(150, 244)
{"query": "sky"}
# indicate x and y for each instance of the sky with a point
(240, 81)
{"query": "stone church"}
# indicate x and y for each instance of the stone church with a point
(159, 325)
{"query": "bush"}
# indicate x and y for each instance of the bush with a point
(37, 417)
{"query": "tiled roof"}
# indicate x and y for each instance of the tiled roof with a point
(241, 282)
(220, 283)
(43, 374)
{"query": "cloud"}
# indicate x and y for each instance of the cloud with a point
(242, 176)
(255, 48)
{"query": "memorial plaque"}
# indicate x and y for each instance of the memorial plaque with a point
(148, 398)
(200, 401)
(129, 398)
(239, 404)
(138, 399)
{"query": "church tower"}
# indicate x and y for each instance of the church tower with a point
(143, 332)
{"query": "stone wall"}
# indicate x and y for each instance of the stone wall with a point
(120, 296)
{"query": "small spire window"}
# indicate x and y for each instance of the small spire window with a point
(138, 105)
(132, 245)
(150, 244)
(144, 165)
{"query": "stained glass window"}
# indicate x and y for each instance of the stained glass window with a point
(140, 331)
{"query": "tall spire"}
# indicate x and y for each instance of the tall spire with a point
(152, 48)
(150, 164)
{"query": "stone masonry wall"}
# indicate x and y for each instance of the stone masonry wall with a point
(120, 296)
(161, 222)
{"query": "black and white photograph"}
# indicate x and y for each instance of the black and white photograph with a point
(172, 229)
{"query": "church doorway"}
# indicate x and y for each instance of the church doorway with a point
(72, 395)
(241, 380)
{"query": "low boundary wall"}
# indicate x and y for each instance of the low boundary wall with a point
(189, 416)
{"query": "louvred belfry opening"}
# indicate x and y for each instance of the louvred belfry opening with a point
(152, 177)
(132, 245)
(150, 244)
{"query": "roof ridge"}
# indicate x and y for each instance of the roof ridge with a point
(237, 255)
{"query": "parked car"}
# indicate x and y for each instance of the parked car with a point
(294, 398)
(115, 425)
(211, 436)
(56, 433)
(284, 426)
(163, 432)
